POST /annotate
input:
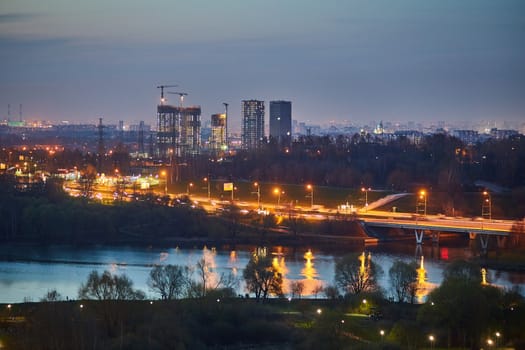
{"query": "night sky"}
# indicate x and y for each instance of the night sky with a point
(340, 60)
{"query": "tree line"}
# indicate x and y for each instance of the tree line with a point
(45, 213)
(461, 312)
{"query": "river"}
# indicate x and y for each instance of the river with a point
(27, 273)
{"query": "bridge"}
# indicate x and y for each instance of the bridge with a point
(435, 224)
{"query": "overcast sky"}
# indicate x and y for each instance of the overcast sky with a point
(390, 60)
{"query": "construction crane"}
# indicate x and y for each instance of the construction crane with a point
(161, 87)
(181, 94)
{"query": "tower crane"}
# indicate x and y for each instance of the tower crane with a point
(181, 94)
(161, 87)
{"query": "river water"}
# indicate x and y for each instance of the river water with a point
(27, 273)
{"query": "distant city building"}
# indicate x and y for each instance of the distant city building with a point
(281, 122)
(178, 131)
(252, 124)
(500, 134)
(413, 136)
(469, 137)
(218, 134)
(379, 130)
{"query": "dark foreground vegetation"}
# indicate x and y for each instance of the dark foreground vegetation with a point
(221, 323)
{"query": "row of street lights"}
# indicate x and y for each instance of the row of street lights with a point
(421, 203)
(486, 206)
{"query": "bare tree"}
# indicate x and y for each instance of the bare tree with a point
(355, 276)
(403, 280)
(262, 278)
(319, 288)
(208, 280)
(52, 295)
(169, 281)
(109, 287)
(297, 288)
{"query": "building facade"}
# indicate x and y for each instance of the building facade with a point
(178, 131)
(281, 122)
(218, 141)
(252, 124)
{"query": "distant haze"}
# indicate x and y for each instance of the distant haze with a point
(336, 60)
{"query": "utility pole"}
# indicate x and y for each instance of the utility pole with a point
(226, 126)
(100, 148)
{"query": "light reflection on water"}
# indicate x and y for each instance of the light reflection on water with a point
(30, 271)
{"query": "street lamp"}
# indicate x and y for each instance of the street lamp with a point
(256, 184)
(486, 206)
(190, 185)
(311, 189)
(431, 338)
(422, 202)
(382, 332)
(207, 180)
(498, 334)
(165, 176)
(278, 192)
(365, 190)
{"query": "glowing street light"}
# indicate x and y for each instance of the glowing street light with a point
(190, 185)
(256, 184)
(278, 192)
(365, 190)
(382, 332)
(431, 338)
(310, 188)
(422, 202)
(498, 334)
(207, 180)
(486, 206)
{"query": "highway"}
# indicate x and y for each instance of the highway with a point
(390, 219)
(370, 217)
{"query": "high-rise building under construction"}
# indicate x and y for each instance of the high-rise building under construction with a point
(252, 124)
(218, 142)
(178, 131)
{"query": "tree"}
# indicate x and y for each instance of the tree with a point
(208, 280)
(403, 280)
(353, 275)
(169, 281)
(51, 295)
(331, 292)
(462, 305)
(317, 289)
(462, 270)
(297, 288)
(262, 278)
(109, 287)
(517, 234)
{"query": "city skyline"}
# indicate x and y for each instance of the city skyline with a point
(337, 61)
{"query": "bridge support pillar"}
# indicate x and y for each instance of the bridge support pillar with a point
(435, 237)
(472, 235)
(502, 240)
(419, 236)
(484, 239)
